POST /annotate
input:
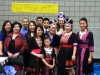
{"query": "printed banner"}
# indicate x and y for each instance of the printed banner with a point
(35, 8)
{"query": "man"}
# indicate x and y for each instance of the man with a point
(39, 21)
(25, 23)
(46, 25)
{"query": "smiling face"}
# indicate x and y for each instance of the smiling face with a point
(31, 27)
(53, 29)
(25, 23)
(16, 28)
(47, 42)
(7, 27)
(39, 31)
(61, 21)
(83, 24)
(68, 27)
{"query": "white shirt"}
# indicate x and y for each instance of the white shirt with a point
(45, 30)
(82, 33)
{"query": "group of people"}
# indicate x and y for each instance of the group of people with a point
(45, 44)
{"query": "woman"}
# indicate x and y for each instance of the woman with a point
(31, 31)
(85, 49)
(15, 44)
(67, 53)
(35, 44)
(6, 29)
(60, 24)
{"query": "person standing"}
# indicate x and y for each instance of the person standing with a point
(27, 55)
(15, 44)
(68, 48)
(6, 29)
(60, 25)
(34, 46)
(46, 25)
(85, 49)
(39, 21)
(25, 23)
(49, 58)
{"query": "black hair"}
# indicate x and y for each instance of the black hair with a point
(46, 19)
(29, 25)
(41, 27)
(4, 33)
(46, 37)
(39, 18)
(28, 35)
(84, 19)
(14, 23)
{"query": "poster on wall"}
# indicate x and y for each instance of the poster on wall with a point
(34, 8)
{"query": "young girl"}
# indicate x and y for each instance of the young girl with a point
(49, 57)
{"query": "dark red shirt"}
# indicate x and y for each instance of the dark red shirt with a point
(20, 43)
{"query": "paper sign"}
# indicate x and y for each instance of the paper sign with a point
(35, 8)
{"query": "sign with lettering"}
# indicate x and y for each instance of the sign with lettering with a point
(35, 8)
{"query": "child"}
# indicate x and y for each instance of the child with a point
(49, 57)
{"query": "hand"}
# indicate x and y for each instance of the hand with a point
(1, 54)
(89, 60)
(73, 57)
(40, 55)
(50, 66)
(15, 55)
(10, 54)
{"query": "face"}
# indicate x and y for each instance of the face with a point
(83, 24)
(46, 24)
(39, 31)
(47, 42)
(68, 27)
(7, 27)
(25, 23)
(61, 21)
(31, 27)
(53, 29)
(16, 29)
(39, 21)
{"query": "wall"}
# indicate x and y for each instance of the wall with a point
(75, 9)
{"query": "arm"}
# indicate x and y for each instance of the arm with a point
(1, 48)
(45, 62)
(53, 61)
(1, 43)
(91, 44)
(75, 49)
(24, 44)
(75, 44)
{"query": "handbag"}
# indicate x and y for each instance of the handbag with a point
(18, 60)
(2, 69)
(37, 51)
